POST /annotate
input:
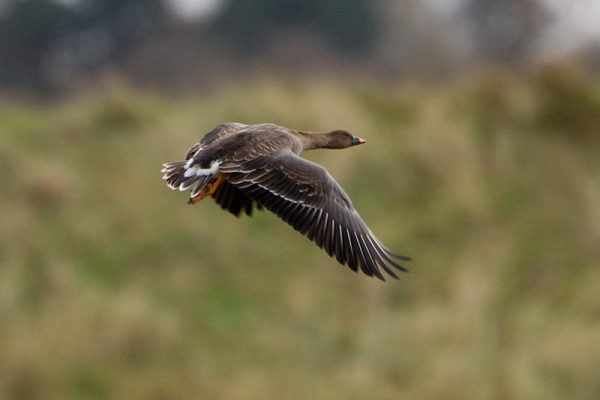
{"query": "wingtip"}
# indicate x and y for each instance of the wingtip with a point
(398, 256)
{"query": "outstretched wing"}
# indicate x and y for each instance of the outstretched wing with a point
(305, 196)
(235, 201)
(222, 131)
(215, 135)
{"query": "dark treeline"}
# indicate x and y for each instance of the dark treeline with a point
(49, 46)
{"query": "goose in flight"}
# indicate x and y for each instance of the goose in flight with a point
(246, 166)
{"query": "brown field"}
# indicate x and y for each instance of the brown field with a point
(111, 287)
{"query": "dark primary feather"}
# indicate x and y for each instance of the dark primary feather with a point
(305, 196)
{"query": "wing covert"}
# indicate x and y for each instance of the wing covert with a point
(305, 196)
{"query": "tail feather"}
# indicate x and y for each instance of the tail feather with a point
(173, 174)
(188, 183)
(201, 184)
(177, 179)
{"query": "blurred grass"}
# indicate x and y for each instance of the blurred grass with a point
(111, 287)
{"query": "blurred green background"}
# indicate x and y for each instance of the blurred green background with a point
(482, 164)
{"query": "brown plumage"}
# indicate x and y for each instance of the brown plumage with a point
(246, 166)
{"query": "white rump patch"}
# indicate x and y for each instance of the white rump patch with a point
(197, 171)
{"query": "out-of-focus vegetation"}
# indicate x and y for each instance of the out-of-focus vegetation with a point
(112, 287)
(53, 47)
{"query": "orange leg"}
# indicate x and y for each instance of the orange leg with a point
(208, 190)
(215, 185)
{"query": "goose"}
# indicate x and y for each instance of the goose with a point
(258, 166)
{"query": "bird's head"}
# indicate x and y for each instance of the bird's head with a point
(340, 139)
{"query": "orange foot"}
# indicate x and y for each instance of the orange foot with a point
(208, 190)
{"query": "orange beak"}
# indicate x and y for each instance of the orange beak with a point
(358, 141)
